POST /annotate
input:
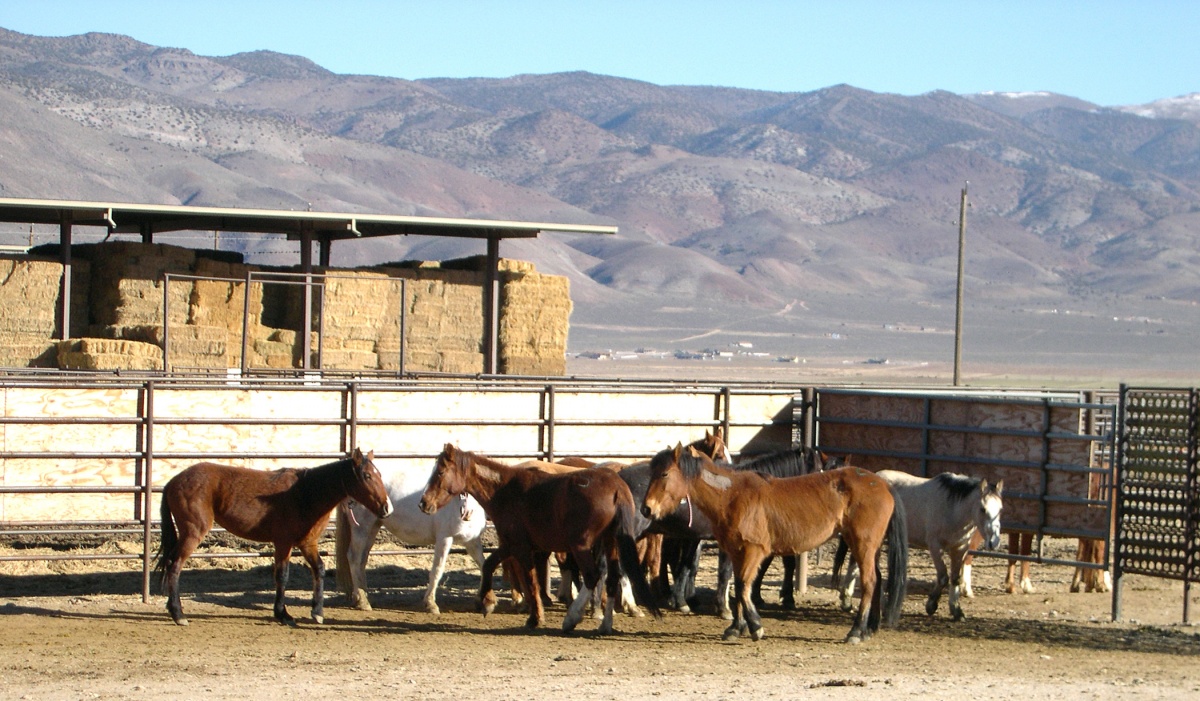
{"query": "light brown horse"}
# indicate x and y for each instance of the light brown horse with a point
(588, 513)
(287, 507)
(754, 516)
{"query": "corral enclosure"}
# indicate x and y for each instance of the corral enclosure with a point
(415, 316)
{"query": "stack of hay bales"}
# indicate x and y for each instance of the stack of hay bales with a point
(444, 320)
(534, 314)
(29, 300)
(118, 306)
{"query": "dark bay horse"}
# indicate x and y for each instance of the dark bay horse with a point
(754, 515)
(588, 513)
(288, 507)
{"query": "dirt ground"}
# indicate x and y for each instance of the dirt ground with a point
(79, 630)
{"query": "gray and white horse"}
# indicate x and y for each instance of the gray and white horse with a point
(356, 528)
(944, 512)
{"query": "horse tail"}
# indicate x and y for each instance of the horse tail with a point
(897, 540)
(839, 558)
(341, 537)
(631, 562)
(168, 547)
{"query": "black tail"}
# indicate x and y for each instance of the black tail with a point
(897, 584)
(168, 547)
(839, 558)
(627, 549)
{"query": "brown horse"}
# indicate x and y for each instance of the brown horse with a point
(287, 507)
(754, 516)
(588, 513)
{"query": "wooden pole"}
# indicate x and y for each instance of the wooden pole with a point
(958, 309)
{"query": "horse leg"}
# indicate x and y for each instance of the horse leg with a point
(487, 597)
(749, 619)
(528, 572)
(847, 585)
(312, 556)
(756, 590)
(362, 537)
(868, 575)
(956, 568)
(787, 596)
(941, 580)
(585, 562)
(282, 555)
(968, 561)
(1020, 544)
(190, 536)
(567, 576)
(724, 576)
(441, 548)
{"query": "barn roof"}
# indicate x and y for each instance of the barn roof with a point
(149, 219)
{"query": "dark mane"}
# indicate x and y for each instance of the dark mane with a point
(784, 463)
(957, 487)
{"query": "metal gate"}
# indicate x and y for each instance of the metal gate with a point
(1158, 489)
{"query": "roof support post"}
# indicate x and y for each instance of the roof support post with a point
(306, 241)
(64, 293)
(326, 248)
(491, 306)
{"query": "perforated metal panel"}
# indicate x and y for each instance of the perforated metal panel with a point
(1157, 498)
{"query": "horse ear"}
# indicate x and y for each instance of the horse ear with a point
(999, 487)
(357, 455)
(678, 450)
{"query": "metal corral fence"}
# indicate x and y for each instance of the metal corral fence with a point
(87, 455)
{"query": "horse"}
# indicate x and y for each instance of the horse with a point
(754, 515)
(356, 528)
(287, 507)
(684, 530)
(588, 513)
(944, 514)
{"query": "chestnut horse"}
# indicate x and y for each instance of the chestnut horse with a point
(288, 507)
(754, 515)
(588, 513)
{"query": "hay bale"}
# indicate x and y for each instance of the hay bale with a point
(108, 354)
(534, 322)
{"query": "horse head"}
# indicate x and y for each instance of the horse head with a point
(667, 487)
(448, 480)
(367, 487)
(713, 445)
(987, 519)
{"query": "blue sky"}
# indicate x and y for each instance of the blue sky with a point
(1104, 51)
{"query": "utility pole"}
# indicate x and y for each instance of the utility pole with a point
(958, 309)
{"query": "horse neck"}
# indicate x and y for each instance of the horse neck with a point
(486, 476)
(326, 486)
(711, 494)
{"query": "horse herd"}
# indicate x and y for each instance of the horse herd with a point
(604, 522)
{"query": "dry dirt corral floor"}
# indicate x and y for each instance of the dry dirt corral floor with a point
(79, 630)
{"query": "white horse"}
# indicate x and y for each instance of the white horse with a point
(462, 522)
(944, 513)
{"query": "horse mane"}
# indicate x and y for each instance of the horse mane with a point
(789, 462)
(957, 487)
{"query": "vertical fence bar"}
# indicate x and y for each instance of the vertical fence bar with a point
(166, 323)
(548, 422)
(246, 323)
(147, 487)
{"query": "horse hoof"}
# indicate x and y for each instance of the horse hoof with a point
(182, 622)
(727, 615)
(931, 607)
(432, 607)
(757, 634)
(731, 633)
(318, 620)
(958, 615)
(853, 639)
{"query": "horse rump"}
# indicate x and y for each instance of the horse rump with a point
(897, 572)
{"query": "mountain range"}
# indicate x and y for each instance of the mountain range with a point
(742, 213)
